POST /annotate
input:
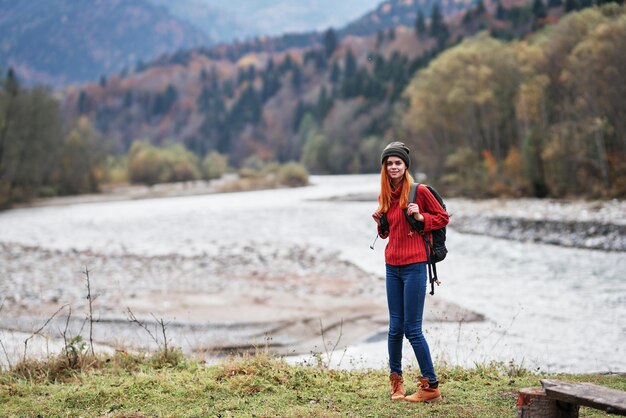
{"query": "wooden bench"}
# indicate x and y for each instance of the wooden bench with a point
(558, 399)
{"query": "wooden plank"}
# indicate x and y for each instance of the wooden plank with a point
(610, 400)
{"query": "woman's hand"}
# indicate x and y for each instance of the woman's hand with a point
(377, 215)
(414, 210)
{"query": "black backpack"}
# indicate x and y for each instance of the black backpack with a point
(435, 250)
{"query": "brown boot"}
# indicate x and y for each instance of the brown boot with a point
(425, 393)
(397, 387)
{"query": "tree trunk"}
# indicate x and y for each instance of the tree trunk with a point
(533, 403)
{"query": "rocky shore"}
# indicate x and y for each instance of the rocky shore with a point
(571, 223)
(289, 300)
(594, 225)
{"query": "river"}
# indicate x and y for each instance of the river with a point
(546, 307)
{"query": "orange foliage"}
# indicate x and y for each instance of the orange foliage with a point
(491, 165)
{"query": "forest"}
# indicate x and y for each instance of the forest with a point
(514, 101)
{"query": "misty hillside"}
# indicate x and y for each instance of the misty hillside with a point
(245, 19)
(394, 13)
(60, 41)
(265, 97)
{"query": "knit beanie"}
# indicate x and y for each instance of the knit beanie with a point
(397, 149)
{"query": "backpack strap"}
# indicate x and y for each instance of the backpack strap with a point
(413, 192)
(432, 267)
(416, 226)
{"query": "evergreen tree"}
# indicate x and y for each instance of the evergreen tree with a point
(245, 110)
(164, 101)
(468, 17)
(438, 28)
(301, 109)
(350, 65)
(286, 65)
(571, 5)
(251, 74)
(83, 103)
(215, 82)
(296, 77)
(330, 42)
(501, 11)
(539, 9)
(380, 38)
(480, 8)
(270, 86)
(228, 88)
(335, 73)
(420, 24)
(555, 3)
(11, 84)
(241, 76)
(323, 105)
(128, 99)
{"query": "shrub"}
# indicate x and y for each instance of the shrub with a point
(293, 174)
(150, 165)
(214, 165)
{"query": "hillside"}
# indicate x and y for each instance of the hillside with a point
(251, 98)
(490, 117)
(59, 41)
(246, 19)
(393, 13)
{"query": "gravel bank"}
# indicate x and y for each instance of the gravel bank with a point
(236, 300)
(570, 223)
(594, 225)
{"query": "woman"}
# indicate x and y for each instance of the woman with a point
(405, 259)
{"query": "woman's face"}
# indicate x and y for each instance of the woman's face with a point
(395, 168)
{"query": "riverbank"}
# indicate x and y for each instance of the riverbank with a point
(292, 269)
(599, 224)
(570, 223)
(238, 299)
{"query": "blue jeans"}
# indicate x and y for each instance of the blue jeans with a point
(406, 292)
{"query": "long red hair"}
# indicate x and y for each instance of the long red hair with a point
(384, 198)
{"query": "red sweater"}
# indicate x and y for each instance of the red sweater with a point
(404, 247)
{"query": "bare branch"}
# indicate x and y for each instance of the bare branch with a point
(163, 326)
(40, 329)
(90, 299)
(132, 318)
(329, 356)
(67, 323)
(4, 349)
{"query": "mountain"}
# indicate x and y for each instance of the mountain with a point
(253, 97)
(388, 15)
(393, 13)
(60, 41)
(245, 19)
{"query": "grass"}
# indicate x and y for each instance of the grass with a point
(127, 385)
